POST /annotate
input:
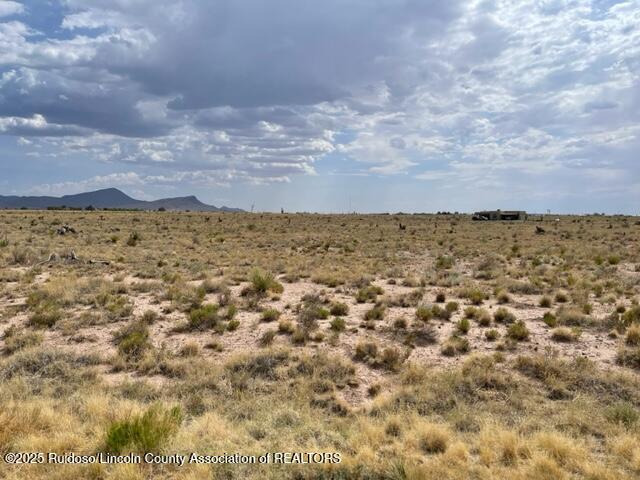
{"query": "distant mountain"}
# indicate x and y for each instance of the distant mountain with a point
(110, 198)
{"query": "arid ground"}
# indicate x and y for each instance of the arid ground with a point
(416, 346)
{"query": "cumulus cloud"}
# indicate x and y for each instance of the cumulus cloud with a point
(253, 91)
(8, 8)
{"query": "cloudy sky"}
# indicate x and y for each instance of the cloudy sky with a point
(333, 105)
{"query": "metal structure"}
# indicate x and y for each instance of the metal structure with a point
(500, 215)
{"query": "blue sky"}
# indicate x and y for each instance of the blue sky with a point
(373, 105)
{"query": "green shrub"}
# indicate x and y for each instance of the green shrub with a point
(45, 316)
(339, 309)
(545, 302)
(629, 357)
(133, 239)
(375, 313)
(267, 338)
(452, 307)
(444, 262)
(424, 313)
(270, 315)
(550, 319)
(631, 316)
(483, 317)
(463, 326)
(491, 335)
(455, 345)
(368, 294)
(502, 315)
(204, 317)
(144, 433)
(338, 324)
(518, 331)
(263, 282)
(503, 297)
(14, 340)
(623, 413)
(441, 313)
(133, 340)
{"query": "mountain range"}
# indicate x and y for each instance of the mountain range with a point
(110, 198)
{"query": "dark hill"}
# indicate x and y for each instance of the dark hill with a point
(110, 198)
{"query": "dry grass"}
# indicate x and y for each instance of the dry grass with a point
(451, 349)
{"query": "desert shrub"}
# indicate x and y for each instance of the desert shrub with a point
(421, 335)
(387, 358)
(564, 335)
(286, 326)
(502, 315)
(267, 338)
(474, 294)
(204, 317)
(633, 335)
(491, 335)
(433, 438)
(233, 325)
(265, 365)
(22, 255)
(400, 323)
(623, 413)
(518, 331)
(455, 345)
(452, 307)
(339, 309)
(368, 294)
(133, 340)
(270, 315)
(545, 302)
(424, 313)
(338, 324)
(366, 350)
(503, 297)
(629, 357)
(444, 262)
(46, 315)
(613, 259)
(470, 312)
(550, 319)
(149, 317)
(441, 313)
(310, 312)
(561, 297)
(231, 312)
(375, 313)
(631, 316)
(463, 326)
(262, 282)
(393, 428)
(134, 238)
(15, 340)
(190, 349)
(441, 297)
(148, 432)
(571, 316)
(483, 317)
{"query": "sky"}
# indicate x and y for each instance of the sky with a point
(326, 106)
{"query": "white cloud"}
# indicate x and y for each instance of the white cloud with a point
(8, 7)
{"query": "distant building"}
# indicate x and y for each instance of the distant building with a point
(500, 215)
